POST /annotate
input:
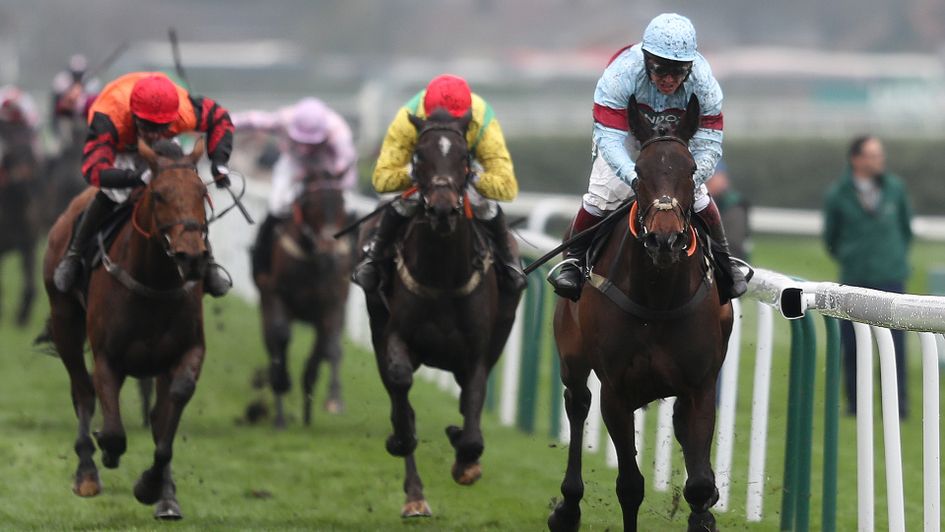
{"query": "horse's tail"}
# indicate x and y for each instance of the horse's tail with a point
(44, 340)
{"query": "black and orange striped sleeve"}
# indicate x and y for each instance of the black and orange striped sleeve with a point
(101, 145)
(215, 121)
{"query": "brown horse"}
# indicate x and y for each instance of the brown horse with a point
(651, 327)
(144, 319)
(308, 282)
(19, 219)
(442, 308)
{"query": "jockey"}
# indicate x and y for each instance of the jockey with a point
(662, 72)
(149, 106)
(19, 121)
(317, 144)
(493, 178)
(72, 96)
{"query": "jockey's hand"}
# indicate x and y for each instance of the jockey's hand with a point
(221, 175)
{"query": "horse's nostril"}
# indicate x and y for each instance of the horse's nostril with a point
(650, 241)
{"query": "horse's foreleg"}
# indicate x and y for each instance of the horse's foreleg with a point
(577, 404)
(694, 423)
(310, 376)
(111, 439)
(618, 416)
(156, 484)
(145, 389)
(276, 330)
(28, 254)
(468, 441)
(397, 374)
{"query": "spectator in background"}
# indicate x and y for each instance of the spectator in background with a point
(734, 209)
(867, 230)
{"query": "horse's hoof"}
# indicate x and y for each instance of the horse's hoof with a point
(87, 486)
(702, 522)
(399, 447)
(334, 406)
(109, 460)
(466, 475)
(558, 521)
(416, 509)
(147, 491)
(167, 510)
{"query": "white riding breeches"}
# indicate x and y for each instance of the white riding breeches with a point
(126, 161)
(285, 187)
(606, 191)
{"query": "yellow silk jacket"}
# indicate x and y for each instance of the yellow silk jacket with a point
(484, 136)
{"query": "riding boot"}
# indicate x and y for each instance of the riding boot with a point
(367, 273)
(735, 282)
(261, 253)
(567, 277)
(71, 265)
(499, 231)
(214, 282)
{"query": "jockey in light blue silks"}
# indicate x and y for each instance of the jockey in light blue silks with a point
(662, 73)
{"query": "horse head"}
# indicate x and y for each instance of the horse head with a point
(441, 166)
(175, 197)
(319, 212)
(664, 187)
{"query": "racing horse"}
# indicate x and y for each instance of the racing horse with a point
(441, 306)
(650, 326)
(308, 282)
(143, 317)
(19, 218)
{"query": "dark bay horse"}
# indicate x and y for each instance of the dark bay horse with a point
(308, 282)
(19, 219)
(650, 326)
(442, 307)
(144, 319)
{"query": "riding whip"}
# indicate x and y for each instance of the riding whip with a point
(354, 225)
(179, 68)
(580, 236)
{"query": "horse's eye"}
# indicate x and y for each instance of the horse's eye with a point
(158, 197)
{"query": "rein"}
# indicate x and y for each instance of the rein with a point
(125, 278)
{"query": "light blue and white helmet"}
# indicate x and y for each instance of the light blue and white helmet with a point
(670, 36)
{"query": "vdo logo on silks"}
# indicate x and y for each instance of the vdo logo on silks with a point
(668, 118)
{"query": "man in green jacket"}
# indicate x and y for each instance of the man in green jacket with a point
(867, 230)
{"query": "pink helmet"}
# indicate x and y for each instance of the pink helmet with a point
(309, 123)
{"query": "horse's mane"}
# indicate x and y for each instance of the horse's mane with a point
(168, 148)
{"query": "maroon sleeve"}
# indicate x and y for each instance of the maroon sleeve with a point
(215, 121)
(100, 147)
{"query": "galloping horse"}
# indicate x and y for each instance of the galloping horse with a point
(650, 327)
(19, 219)
(308, 282)
(443, 307)
(144, 318)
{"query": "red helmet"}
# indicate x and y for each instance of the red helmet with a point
(154, 98)
(449, 92)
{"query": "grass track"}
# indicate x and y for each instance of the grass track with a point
(335, 475)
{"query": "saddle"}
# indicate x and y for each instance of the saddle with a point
(92, 254)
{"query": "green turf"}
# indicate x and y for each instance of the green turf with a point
(336, 474)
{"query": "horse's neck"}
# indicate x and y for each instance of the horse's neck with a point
(440, 261)
(657, 288)
(144, 258)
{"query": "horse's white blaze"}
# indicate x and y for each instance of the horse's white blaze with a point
(445, 145)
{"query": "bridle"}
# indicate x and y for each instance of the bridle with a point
(188, 224)
(638, 217)
(437, 182)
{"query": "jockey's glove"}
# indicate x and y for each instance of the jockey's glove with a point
(221, 175)
(122, 178)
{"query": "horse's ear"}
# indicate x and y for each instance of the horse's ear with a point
(691, 120)
(465, 120)
(416, 121)
(200, 147)
(147, 153)
(636, 122)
